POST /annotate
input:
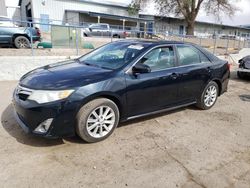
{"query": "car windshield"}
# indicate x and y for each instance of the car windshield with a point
(113, 55)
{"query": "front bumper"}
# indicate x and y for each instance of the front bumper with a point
(243, 70)
(30, 115)
(20, 123)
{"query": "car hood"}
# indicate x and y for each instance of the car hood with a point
(63, 75)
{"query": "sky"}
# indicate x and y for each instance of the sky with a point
(242, 17)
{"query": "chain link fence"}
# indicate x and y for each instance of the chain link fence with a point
(73, 40)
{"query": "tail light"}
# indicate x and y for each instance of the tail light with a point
(38, 32)
(125, 33)
(228, 66)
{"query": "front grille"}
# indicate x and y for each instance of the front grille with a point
(23, 93)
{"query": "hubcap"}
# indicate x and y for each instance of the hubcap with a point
(210, 96)
(22, 43)
(100, 121)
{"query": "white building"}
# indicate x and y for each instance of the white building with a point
(75, 12)
(3, 11)
(10, 9)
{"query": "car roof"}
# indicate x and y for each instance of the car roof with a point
(151, 42)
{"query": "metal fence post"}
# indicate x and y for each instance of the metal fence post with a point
(244, 43)
(111, 35)
(77, 42)
(200, 41)
(239, 44)
(31, 39)
(214, 45)
(227, 45)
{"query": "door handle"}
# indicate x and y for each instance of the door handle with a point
(174, 76)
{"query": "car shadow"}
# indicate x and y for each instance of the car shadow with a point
(234, 77)
(12, 128)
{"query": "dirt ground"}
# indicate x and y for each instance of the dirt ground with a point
(186, 148)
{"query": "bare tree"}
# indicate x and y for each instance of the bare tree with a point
(189, 9)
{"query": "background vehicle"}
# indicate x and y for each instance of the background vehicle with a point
(20, 37)
(119, 81)
(103, 30)
(244, 67)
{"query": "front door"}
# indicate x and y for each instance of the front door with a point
(157, 89)
(5, 35)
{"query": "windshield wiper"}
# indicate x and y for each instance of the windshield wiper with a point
(85, 63)
(93, 65)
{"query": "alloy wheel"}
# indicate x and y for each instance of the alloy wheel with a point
(100, 121)
(22, 43)
(210, 96)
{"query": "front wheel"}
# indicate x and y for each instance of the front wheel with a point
(208, 96)
(97, 120)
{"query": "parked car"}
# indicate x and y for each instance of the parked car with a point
(103, 30)
(19, 37)
(120, 81)
(244, 67)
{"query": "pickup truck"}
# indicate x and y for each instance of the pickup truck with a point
(19, 37)
(103, 30)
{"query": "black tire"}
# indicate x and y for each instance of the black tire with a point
(201, 100)
(86, 112)
(240, 75)
(21, 42)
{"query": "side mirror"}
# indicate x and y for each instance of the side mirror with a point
(141, 68)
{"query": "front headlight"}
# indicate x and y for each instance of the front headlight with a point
(44, 96)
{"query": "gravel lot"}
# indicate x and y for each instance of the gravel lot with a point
(184, 148)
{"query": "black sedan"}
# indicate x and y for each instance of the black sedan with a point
(244, 67)
(117, 82)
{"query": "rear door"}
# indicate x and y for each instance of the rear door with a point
(194, 70)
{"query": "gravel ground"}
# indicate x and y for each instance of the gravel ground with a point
(183, 148)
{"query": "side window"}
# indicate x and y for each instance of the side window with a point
(204, 58)
(159, 58)
(188, 55)
(104, 27)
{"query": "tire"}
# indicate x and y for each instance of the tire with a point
(240, 75)
(209, 96)
(94, 127)
(21, 42)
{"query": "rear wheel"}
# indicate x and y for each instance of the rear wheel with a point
(21, 42)
(97, 120)
(209, 96)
